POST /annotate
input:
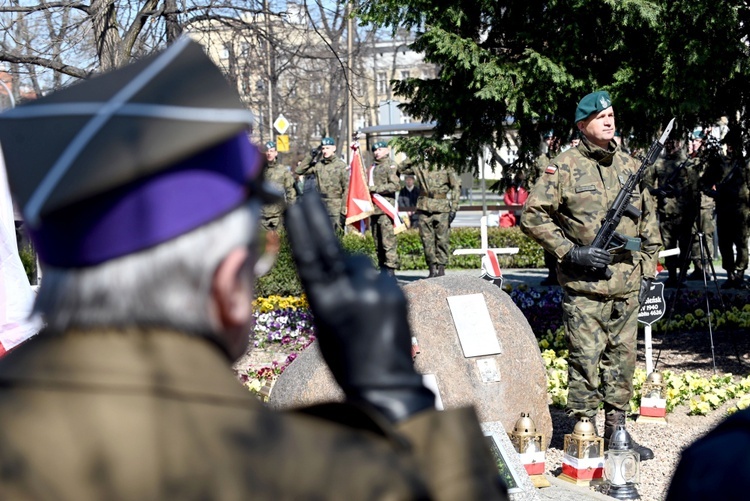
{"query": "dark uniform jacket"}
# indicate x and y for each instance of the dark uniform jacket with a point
(159, 415)
(566, 207)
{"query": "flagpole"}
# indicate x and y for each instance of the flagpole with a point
(350, 63)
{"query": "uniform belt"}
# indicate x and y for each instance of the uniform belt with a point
(438, 196)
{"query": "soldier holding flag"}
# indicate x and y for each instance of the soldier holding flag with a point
(383, 182)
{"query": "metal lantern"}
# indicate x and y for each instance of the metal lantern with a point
(622, 466)
(531, 447)
(583, 458)
(654, 398)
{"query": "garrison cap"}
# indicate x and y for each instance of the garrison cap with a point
(270, 145)
(327, 141)
(379, 144)
(131, 158)
(592, 103)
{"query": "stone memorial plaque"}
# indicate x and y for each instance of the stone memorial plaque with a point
(488, 371)
(474, 325)
(509, 465)
(430, 381)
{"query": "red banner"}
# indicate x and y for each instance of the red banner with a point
(358, 203)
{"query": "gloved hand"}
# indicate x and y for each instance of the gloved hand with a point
(645, 287)
(360, 316)
(588, 256)
(451, 216)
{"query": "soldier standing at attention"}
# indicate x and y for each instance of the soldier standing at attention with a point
(281, 178)
(600, 315)
(728, 183)
(675, 188)
(701, 156)
(436, 206)
(382, 179)
(331, 179)
(128, 393)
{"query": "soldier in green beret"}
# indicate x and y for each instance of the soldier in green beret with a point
(438, 201)
(552, 144)
(331, 179)
(280, 177)
(383, 180)
(562, 214)
(700, 156)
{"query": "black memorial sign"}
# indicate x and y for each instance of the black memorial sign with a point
(652, 308)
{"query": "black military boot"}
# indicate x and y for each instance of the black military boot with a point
(388, 271)
(731, 281)
(440, 271)
(739, 281)
(433, 271)
(614, 417)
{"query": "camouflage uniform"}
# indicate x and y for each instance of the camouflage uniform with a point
(282, 179)
(550, 260)
(600, 316)
(439, 196)
(382, 179)
(332, 178)
(704, 223)
(675, 187)
(732, 194)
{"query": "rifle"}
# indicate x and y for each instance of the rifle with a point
(607, 237)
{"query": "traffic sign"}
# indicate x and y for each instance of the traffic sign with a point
(281, 124)
(282, 143)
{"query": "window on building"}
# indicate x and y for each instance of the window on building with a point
(405, 119)
(224, 52)
(382, 82)
(405, 74)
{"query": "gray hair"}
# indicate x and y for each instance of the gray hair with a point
(167, 286)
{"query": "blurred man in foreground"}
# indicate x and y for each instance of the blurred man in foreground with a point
(145, 209)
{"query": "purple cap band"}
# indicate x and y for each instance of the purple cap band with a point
(150, 211)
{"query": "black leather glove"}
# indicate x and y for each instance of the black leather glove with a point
(451, 216)
(645, 287)
(590, 257)
(314, 152)
(360, 316)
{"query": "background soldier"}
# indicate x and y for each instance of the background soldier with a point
(437, 204)
(700, 156)
(728, 183)
(382, 179)
(542, 161)
(563, 214)
(281, 178)
(129, 393)
(675, 188)
(331, 179)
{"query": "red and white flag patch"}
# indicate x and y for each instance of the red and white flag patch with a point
(551, 169)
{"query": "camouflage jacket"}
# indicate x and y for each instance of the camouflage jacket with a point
(566, 206)
(731, 179)
(535, 172)
(281, 178)
(332, 178)
(674, 175)
(698, 164)
(382, 178)
(440, 190)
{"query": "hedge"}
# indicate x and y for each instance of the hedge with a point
(283, 280)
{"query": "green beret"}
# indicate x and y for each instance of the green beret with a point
(327, 141)
(270, 145)
(592, 103)
(548, 134)
(698, 133)
(379, 144)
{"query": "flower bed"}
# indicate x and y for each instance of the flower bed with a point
(285, 324)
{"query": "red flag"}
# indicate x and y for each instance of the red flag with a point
(358, 202)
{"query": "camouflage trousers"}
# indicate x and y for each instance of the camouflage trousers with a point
(333, 205)
(704, 224)
(385, 241)
(435, 232)
(676, 232)
(733, 233)
(601, 334)
(271, 222)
